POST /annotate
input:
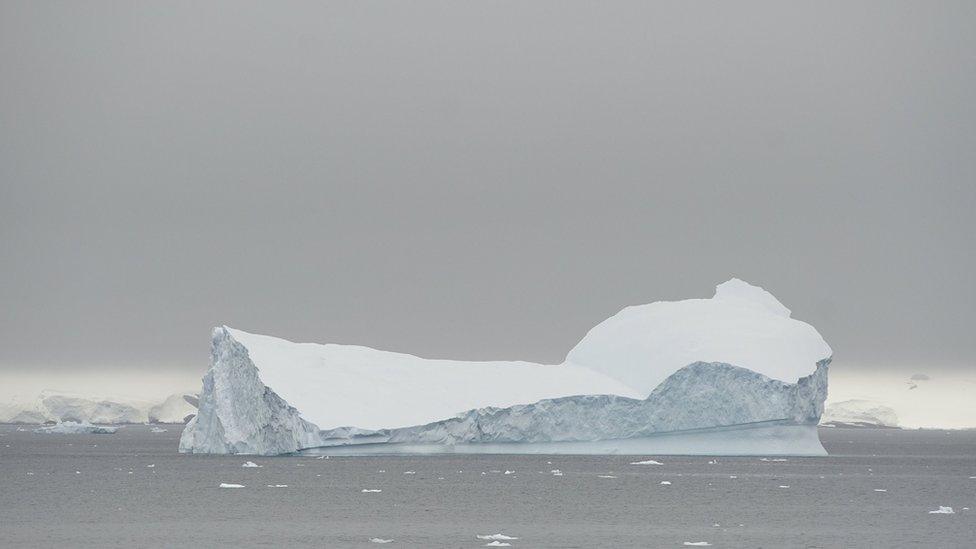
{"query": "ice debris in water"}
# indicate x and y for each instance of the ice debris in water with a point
(943, 510)
(606, 476)
(498, 544)
(784, 486)
(697, 543)
(773, 459)
(495, 537)
(410, 472)
(277, 486)
(880, 490)
(380, 540)
(230, 485)
(556, 473)
(507, 472)
(665, 483)
(157, 430)
(151, 465)
(646, 462)
(250, 464)
(371, 491)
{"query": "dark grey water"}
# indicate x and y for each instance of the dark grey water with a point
(98, 491)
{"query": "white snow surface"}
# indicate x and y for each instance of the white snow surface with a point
(742, 325)
(349, 385)
(265, 395)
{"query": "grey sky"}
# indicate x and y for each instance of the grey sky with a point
(479, 180)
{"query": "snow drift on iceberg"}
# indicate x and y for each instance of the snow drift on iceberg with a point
(691, 371)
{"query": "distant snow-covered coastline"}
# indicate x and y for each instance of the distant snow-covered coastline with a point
(58, 407)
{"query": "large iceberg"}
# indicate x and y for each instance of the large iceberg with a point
(733, 374)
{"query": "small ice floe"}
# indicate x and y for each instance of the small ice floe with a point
(697, 543)
(646, 462)
(150, 466)
(77, 472)
(495, 537)
(277, 486)
(665, 483)
(556, 473)
(943, 510)
(371, 491)
(733, 476)
(230, 485)
(773, 459)
(299, 465)
(606, 476)
(380, 540)
(75, 428)
(880, 490)
(507, 472)
(410, 472)
(157, 430)
(251, 464)
(784, 485)
(712, 462)
(498, 544)
(22, 430)
(384, 470)
(327, 457)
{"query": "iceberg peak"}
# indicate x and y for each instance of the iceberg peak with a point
(735, 289)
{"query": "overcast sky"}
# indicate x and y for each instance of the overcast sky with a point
(479, 180)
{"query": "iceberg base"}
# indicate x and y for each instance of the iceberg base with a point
(765, 439)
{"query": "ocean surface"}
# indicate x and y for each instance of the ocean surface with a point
(132, 489)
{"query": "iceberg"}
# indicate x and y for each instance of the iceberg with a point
(859, 413)
(56, 406)
(76, 428)
(733, 374)
(177, 408)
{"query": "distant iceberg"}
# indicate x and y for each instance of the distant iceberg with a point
(733, 374)
(56, 406)
(76, 428)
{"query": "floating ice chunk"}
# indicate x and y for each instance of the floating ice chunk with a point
(75, 428)
(371, 491)
(773, 459)
(665, 483)
(498, 544)
(880, 490)
(556, 473)
(697, 543)
(943, 510)
(151, 465)
(606, 476)
(327, 457)
(646, 462)
(507, 472)
(380, 540)
(277, 486)
(495, 537)
(230, 485)
(410, 472)
(733, 476)
(157, 430)
(250, 464)
(784, 486)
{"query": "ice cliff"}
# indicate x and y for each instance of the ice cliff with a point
(663, 375)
